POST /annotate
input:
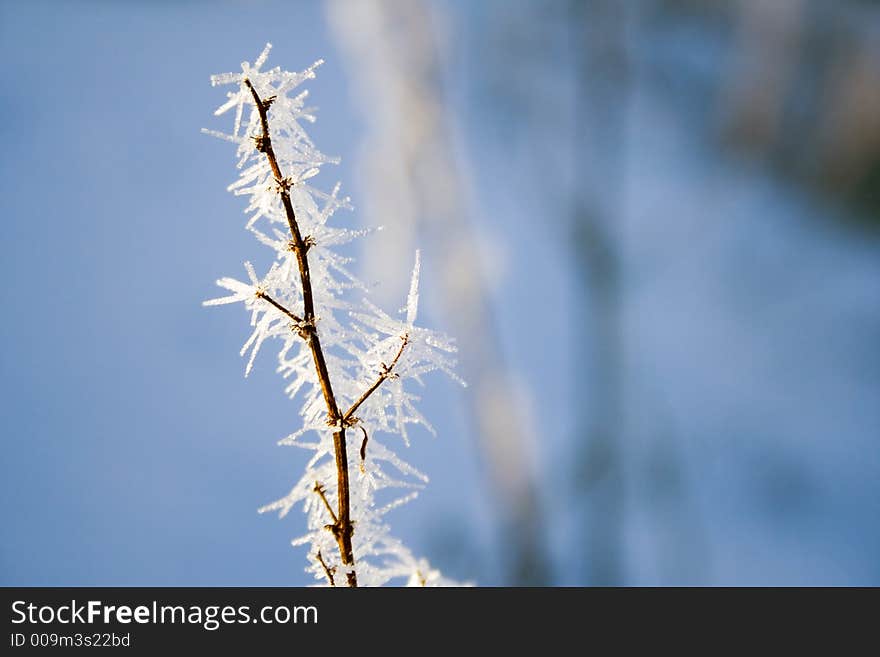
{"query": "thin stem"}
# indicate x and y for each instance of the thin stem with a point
(319, 489)
(265, 297)
(386, 373)
(343, 526)
(363, 451)
(327, 570)
(364, 444)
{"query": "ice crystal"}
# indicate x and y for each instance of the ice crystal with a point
(362, 344)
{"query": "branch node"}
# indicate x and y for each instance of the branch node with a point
(385, 372)
(339, 532)
(346, 421)
(262, 143)
(305, 328)
(341, 421)
(283, 185)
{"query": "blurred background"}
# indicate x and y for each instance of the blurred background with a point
(653, 226)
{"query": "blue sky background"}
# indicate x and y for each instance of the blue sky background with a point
(135, 453)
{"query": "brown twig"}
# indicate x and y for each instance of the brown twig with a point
(343, 527)
(385, 373)
(265, 297)
(319, 489)
(363, 447)
(328, 571)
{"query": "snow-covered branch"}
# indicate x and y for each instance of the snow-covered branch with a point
(336, 353)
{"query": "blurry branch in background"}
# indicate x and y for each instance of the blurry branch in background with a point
(391, 46)
(539, 62)
(601, 85)
(802, 91)
(763, 68)
(795, 84)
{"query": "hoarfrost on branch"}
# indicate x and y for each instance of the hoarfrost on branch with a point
(370, 355)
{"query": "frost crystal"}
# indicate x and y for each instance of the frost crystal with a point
(370, 355)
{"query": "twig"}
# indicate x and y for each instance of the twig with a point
(327, 570)
(265, 297)
(343, 525)
(385, 373)
(319, 489)
(363, 446)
